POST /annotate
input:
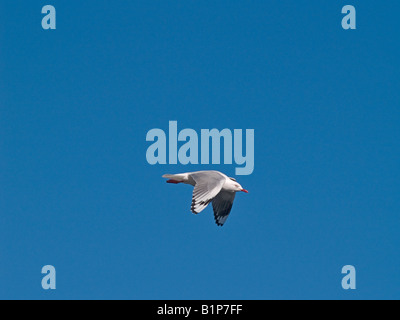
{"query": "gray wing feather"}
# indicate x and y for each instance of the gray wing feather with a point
(222, 205)
(208, 185)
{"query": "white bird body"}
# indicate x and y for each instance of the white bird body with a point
(209, 186)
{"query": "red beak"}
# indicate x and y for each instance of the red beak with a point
(244, 190)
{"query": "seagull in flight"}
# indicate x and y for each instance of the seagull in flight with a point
(209, 186)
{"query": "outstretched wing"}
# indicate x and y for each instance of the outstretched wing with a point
(208, 185)
(222, 205)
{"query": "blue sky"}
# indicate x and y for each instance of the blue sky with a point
(77, 192)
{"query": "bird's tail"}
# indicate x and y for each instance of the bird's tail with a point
(176, 178)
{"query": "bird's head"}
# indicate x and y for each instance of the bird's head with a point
(241, 189)
(238, 187)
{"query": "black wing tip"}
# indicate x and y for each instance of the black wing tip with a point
(192, 207)
(217, 222)
(205, 203)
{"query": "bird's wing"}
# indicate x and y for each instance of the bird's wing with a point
(222, 205)
(208, 185)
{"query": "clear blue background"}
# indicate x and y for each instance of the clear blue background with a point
(76, 191)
